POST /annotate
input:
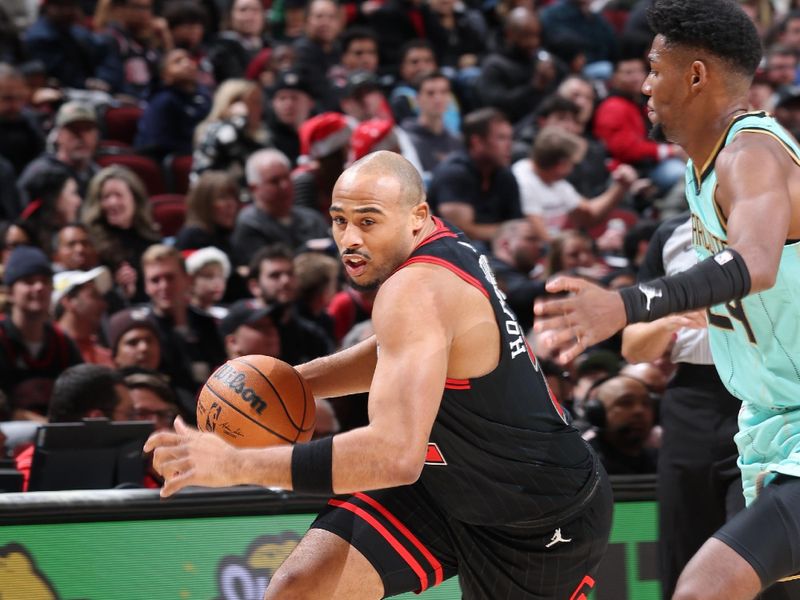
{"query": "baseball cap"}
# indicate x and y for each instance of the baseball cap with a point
(66, 281)
(25, 261)
(75, 112)
(290, 79)
(246, 312)
(125, 320)
(360, 82)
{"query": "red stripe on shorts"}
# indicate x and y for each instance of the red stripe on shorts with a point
(437, 566)
(393, 541)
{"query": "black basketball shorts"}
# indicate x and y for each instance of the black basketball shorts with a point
(414, 545)
(767, 533)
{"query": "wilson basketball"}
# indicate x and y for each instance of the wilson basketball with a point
(255, 401)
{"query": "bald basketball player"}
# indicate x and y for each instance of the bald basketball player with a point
(743, 188)
(468, 466)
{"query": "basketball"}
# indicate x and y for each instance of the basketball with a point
(255, 401)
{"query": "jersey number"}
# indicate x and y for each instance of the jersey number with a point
(736, 310)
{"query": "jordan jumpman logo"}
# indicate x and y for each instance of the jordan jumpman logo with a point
(557, 538)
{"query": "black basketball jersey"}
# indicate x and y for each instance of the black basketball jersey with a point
(501, 450)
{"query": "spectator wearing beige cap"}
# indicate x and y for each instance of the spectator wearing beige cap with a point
(76, 138)
(79, 307)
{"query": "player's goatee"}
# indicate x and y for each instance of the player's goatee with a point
(657, 133)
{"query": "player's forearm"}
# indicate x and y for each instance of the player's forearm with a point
(645, 342)
(717, 279)
(347, 372)
(268, 467)
(366, 459)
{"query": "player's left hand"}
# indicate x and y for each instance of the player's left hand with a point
(587, 316)
(190, 457)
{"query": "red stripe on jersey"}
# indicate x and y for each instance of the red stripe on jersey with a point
(556, 404)
(447, 265)
(586, 582)
(437, 566)
(457, 384)
(393, 541)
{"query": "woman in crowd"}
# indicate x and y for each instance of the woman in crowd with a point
(232, 131)
(211, 210)
(212, 207)
(117, 213)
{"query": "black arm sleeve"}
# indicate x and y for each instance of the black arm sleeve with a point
(720, 278)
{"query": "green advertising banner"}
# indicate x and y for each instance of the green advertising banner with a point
(233, 558)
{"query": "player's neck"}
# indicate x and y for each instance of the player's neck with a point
(705, 139)
(427, 229)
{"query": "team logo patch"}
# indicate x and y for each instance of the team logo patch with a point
(434, 456)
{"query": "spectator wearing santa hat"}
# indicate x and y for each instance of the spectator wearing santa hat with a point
(273, 216)
(371, 136)
(209, 269)
(363, 99)
(324, 147)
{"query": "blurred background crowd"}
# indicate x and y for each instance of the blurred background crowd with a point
(166, 167)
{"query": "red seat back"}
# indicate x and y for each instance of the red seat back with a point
(178, 168)
(146, 168)
(169, 211)
(121, 123)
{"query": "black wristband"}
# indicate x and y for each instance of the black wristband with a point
(312, 466)
(720, 278)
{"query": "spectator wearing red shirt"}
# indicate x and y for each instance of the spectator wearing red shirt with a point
(620, 124)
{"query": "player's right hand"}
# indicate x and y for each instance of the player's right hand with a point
(190, 457)
(587, 316)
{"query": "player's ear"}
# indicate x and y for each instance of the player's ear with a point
(698, 75)
(420, 213)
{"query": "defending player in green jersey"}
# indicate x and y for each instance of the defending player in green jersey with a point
(743, 184)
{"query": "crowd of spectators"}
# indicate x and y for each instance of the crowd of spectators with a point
(166, 167)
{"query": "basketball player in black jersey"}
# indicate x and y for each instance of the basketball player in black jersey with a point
(468, 466)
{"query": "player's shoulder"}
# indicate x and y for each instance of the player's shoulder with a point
(421, 287)
(752, 147)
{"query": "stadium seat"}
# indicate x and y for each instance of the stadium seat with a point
(177, 169)
(121, 123)
(146, 168)
(169, 211)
